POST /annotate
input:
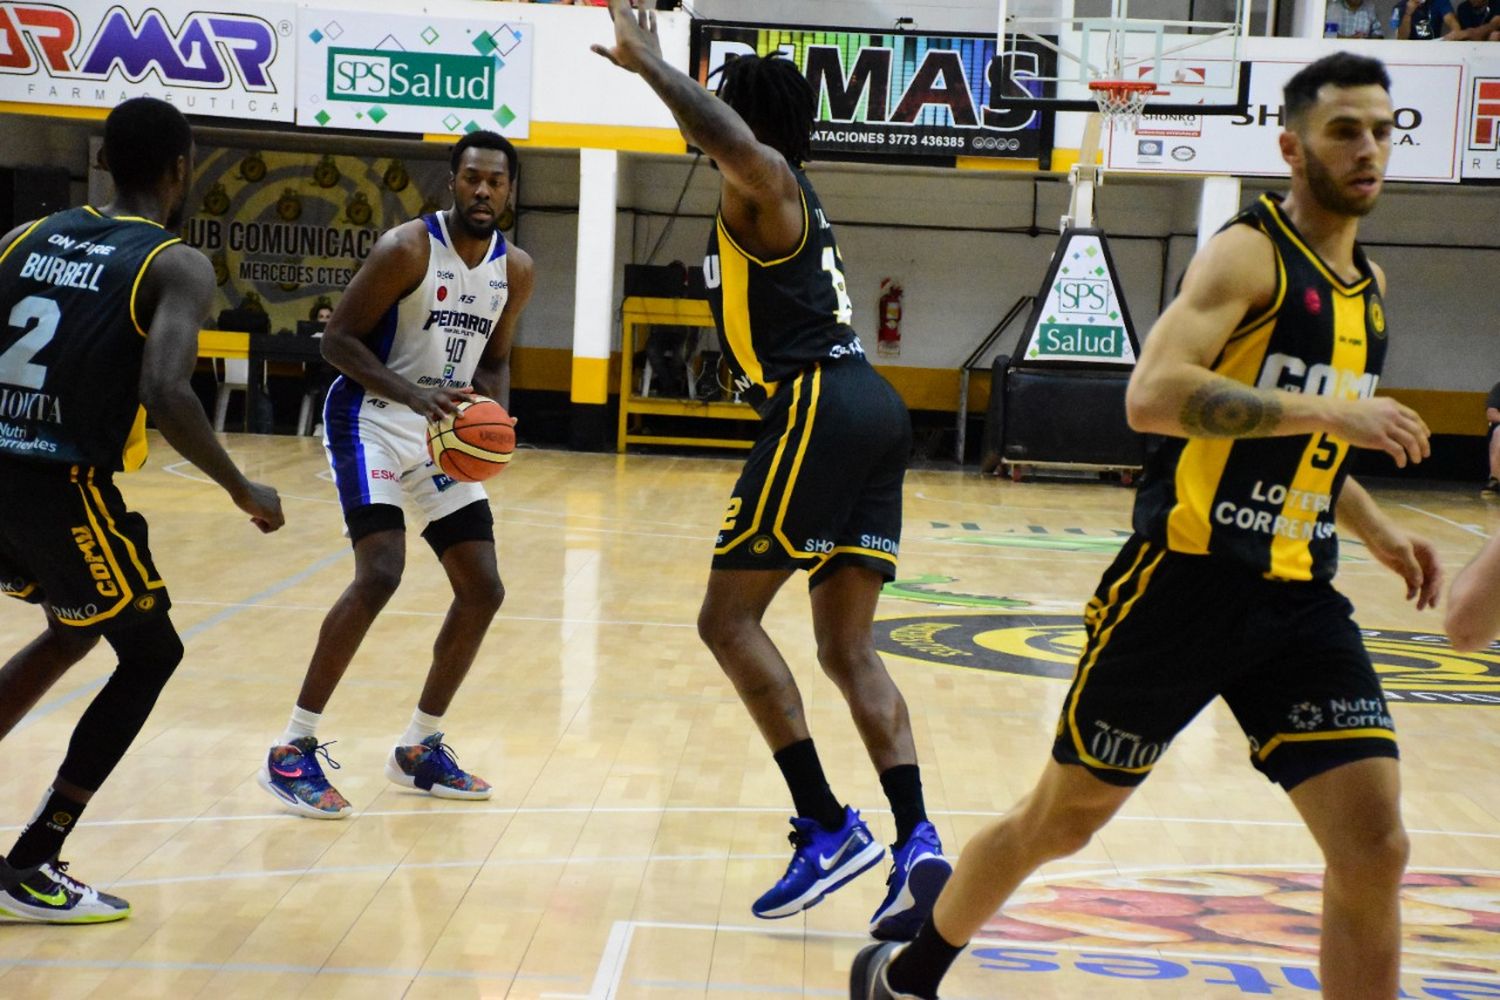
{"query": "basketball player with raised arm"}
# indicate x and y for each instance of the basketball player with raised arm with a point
(1259, 379)
(101, 309)
(426, 322)
(821, 490)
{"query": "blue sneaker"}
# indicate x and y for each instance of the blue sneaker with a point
(822, 861)
(294, 778)
(918, 873)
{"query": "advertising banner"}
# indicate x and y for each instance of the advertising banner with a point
(1481, 154)
(1080, 317)
(411, 73)
(899, 94)
(223, 58)
(1424, 147)
(286, 231)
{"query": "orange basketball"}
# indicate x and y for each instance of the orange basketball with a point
(475, 443)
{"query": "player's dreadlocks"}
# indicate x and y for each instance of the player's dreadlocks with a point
(775, 100)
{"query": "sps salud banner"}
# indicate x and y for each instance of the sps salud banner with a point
(391, 72)
(900, 94)
(224, 58)
(286, 231)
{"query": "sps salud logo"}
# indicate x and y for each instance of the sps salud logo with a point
(208, 50)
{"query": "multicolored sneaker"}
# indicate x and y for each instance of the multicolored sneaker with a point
(432, 767)
(47, 894)
(822, 861)
(918, 873)
(295, 778)
(867, 976)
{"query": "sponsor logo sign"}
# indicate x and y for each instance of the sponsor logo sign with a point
(227, 59)
(1415, 668)
(1481, 155)
(410, 73)
(901, 94)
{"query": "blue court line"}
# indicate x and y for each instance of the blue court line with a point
(218, 618)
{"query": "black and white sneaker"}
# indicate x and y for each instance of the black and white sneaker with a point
(47, 894)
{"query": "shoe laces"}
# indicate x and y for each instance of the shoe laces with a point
(57, 871)
(441, 756)
(314, 769)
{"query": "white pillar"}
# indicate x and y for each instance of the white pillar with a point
(594, 292)
(1308, 17)
(1217, 204)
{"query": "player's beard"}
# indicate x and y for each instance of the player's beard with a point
(1328, 193)
(474, 230)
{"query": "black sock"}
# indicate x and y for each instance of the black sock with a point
(44, 836)
(903, 787)
(920, 966)
(811, 795)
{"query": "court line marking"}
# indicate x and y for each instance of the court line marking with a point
(612, 961)
(187, 634)
(717, 810)
(501, 617)
(1472, 529)
(274, 969)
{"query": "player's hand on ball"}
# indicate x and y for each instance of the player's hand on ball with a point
(263, 504)
(437, 403)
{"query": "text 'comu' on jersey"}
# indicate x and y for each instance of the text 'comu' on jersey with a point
(777, 318)
(436, 335)
(1269, 502)
(71, 340)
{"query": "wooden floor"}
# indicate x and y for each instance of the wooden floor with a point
(636, 813)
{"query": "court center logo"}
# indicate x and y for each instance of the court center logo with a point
(1415, 667)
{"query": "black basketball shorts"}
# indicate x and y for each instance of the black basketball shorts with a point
(822, 486)
(1167, 633)
(68, 542)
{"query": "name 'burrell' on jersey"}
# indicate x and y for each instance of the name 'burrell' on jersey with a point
(1269, 502)
(71, 342)
(777, 318)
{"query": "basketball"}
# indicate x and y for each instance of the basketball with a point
(475, 443)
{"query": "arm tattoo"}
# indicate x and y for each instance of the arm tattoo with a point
(1224, 408)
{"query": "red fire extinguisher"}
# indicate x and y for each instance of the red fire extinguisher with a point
(889, 341)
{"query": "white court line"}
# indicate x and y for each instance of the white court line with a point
(719, 810)
(278, 970)
(612, 961)
(1472, 529)
(502, 617)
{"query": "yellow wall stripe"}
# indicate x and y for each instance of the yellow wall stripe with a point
(590, 380)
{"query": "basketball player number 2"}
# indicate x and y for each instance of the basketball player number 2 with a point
(16, 366)
(845, 312)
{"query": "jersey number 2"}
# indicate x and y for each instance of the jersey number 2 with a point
(16, 366)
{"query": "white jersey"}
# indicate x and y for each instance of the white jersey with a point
(435, 336)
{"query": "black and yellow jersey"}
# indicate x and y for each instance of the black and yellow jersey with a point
(779, 317)
(71, 341)
(1269, 502)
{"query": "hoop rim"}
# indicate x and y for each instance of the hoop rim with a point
(1123, 86)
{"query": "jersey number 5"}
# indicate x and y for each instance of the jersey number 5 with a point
(16, 366)
(845, 312)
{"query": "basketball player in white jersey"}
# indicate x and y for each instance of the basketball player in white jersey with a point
(427, 321)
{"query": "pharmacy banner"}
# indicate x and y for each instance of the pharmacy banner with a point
(1424, 145)
(1481, 154)
(218, 58)
(390, 72)
(899, 94)
(1080, 317)
(286, 231)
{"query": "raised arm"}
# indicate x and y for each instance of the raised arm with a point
(520, 273)
(174, 300)
(394, 269)
(1174, 390)
(1474, 602)
(758, 181)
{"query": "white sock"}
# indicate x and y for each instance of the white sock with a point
(302, 724)
(422, 726)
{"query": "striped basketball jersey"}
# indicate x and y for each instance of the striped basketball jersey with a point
(71, 339)
(1269, 502)
(779, 317)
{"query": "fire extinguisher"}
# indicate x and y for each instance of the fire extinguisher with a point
(889, 341)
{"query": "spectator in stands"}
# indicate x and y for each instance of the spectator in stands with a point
(1492, 414)
(1476, 20)
(1420, 19)
(1358, 19)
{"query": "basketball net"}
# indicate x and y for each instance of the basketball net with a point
(1121, 101)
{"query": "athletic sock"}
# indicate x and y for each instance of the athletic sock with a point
(903, 787)
(920, 966)
(422, 726)
(44, 835)
(301, 725)
(811, 795)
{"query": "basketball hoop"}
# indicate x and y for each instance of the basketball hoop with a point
(1122, 101)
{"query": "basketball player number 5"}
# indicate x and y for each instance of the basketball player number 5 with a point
(845, 312)
(16, 366)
